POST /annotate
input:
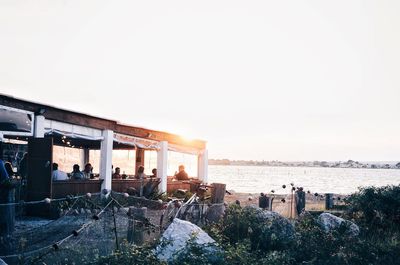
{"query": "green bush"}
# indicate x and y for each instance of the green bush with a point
(130, 255)
(376, 209)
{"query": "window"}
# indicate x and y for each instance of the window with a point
(66, 157)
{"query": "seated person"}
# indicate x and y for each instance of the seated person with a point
(76, 174)
(117, 173)
(140, 173)
(58, 174)
(9, 169)
(182, 175)
(87, 172)
(154, 171)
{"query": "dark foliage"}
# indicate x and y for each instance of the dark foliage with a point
(375, 210)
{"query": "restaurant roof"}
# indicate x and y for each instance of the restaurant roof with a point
(82, 119)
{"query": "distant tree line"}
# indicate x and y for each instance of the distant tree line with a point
(341, 164)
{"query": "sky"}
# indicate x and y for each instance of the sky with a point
(286, 80)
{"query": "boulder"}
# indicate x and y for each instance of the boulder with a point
(177, 237)
(131, 191)
(215, 213)
(330, 222)
(270, 230)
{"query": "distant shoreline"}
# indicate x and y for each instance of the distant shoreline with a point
(302, 166)
(314, 164)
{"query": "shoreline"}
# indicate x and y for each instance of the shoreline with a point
(251, 199)
(305, 166)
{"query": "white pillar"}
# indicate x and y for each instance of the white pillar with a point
(202, 166)
(162, 158)
(106, 159)
(39, 126)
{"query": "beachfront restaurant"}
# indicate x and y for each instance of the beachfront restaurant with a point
(48, 134)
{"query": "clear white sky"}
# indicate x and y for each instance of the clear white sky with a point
(287, 80)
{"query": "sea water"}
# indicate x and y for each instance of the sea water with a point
(256, 179)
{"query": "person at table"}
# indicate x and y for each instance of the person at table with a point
(9, 169)
(140, 175)
(58, 174)
(117, 173)
(76, 173)
(7, 212)
(181, 175)
(154, 171)
(87, 172)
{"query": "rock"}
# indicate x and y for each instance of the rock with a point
(330, 222)
(131, 191)
(215, 213)
(269, 230)
(175, 239)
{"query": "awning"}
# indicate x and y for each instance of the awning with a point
(152, 145)
(183, 149)
(136, 142)
(72, 135)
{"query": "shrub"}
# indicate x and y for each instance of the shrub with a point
(130, 255)
(376, 209)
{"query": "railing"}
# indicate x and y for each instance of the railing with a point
(62, 188)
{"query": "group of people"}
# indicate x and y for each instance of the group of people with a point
(87, 173)
(76, 174)
(140, 174)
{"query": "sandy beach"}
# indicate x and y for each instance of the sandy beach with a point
(281, 202)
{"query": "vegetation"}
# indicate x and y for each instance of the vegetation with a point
(375, 210)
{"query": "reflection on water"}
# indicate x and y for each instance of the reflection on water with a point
(324, 180)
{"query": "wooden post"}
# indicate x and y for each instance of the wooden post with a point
(85, 156)
(328, 201)
(263, 202)
(218, 192)
(300, 201)
(139, 159)
(136, 225)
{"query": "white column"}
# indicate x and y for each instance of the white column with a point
(202, 166)
(106, 159)
(162, 158)
(39, 126)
